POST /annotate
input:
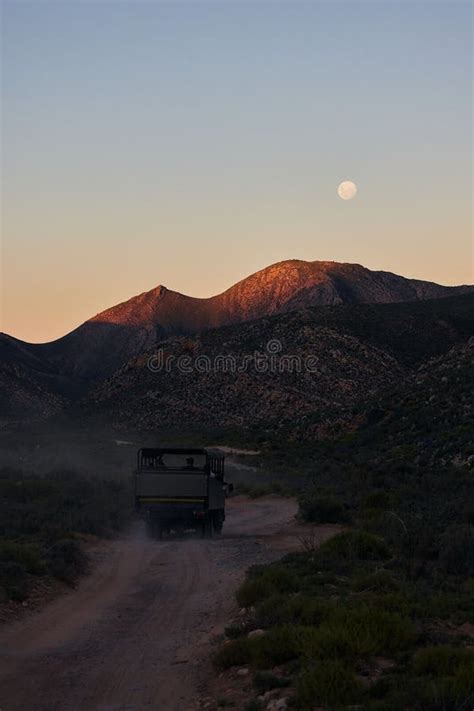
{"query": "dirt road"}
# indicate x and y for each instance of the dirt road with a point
(138, 631)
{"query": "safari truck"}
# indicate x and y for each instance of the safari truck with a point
(179, 489)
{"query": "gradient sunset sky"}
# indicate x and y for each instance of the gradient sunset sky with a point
(192, 143)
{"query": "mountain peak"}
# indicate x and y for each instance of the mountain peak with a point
(112, 337)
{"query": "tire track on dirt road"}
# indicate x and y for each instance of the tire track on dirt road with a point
(137, 633)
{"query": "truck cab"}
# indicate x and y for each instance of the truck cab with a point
(181, 488)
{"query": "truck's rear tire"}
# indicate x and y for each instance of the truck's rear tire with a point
(218, 522)
(149, 528)
(154, 528)
(208, 528)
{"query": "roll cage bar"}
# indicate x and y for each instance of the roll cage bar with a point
(148, 459)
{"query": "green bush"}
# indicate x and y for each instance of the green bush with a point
(256, 492)
(13, 580)
(266, 681)
(379, 581)
(272, 610)
(393, 692)
(329, 682)
(447, 677)
(449, 604)
(253, 590)
(283, 489)
(277, 646)
(25, 554)
(376, 631)
(297, 609)
(40, 515)
(66, 560)
(463, 682)
(253, 491)
(322, 509)
(327, 642)
(389, 602)
(263, 583)
(17, 562)
(234, 631)
(402, 691)
(356, 633)
(50, 507)
(443, 660)
(307, 610)
(254, 705)
(372, 519)
(456, 551)
(355, 545)
(234, 653)
(378, 500)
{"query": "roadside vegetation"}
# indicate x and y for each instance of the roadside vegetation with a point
(256, 491)
(361, 621)
(45, 521)
(381, 616)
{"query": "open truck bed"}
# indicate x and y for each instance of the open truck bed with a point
(177, 488)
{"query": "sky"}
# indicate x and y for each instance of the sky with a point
(192, 143)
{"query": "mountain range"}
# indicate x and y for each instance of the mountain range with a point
(39, 378)
(357, 351)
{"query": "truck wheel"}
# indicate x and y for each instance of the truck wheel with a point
(218, 523)
(149, 528)
(154, 528)
(208, 528)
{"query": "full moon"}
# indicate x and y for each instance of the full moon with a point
(347, 190)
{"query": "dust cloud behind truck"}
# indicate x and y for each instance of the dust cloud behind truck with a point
(181, 488)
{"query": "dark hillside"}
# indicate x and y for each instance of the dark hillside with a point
(357, 350)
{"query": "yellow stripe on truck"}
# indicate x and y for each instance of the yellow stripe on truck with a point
(148, 499)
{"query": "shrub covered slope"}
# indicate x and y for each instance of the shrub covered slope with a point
(381, 616)
(43, 521)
